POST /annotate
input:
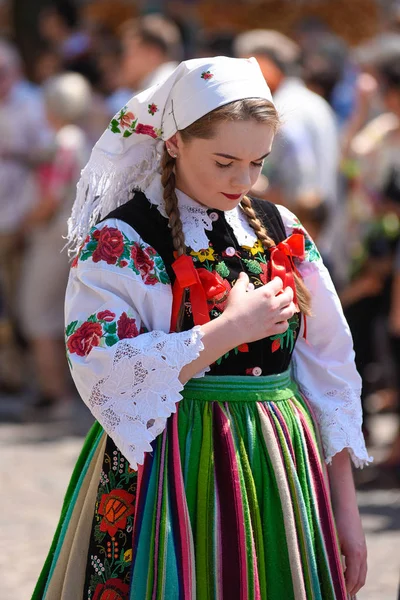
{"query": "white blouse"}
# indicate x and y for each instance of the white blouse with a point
(126, 364)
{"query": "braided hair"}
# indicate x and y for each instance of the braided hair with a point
(251, 108)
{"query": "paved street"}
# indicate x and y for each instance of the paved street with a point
(37, 460)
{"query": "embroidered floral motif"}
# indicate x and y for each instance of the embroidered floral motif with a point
(204, 255)
(152, 109)
(286, 339)
(127, 124)
(311, 251)
(241, 348)
(113, 589)
(258, 248)
(222, 269)
(110, 551)
(115, 507)
(207, 75)
(101, 329)
(109, 244)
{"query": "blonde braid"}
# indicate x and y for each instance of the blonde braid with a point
(174, 217)
(303, 295)
(171, 203)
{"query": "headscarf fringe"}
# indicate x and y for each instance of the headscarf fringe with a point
(103, 188)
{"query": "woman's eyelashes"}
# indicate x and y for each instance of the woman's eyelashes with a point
(222, 166)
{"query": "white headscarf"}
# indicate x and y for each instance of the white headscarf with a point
(127, 157)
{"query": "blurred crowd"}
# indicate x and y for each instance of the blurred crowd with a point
(335, 163)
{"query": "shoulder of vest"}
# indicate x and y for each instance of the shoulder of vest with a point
(270, 217)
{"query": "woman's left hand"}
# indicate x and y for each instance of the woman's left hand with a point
(353, 547)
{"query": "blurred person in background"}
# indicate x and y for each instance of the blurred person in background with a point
(23, 137)
(375, 229)
(59, 25)
(61, 29)
(151, 49)
(45, 271)
(302, 171)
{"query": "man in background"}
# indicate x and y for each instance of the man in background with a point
(302, 170)
(151, 49)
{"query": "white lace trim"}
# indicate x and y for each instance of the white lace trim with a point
(196, 221)
(339, 418)
(244, 234)
(133, 402)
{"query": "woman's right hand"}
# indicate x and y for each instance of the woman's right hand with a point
(259, 313)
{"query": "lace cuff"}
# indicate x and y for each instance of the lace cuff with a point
(339, 418)
(133, 402)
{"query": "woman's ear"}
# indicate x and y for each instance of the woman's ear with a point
(173, 144)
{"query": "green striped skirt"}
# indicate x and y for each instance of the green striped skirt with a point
(232, 504)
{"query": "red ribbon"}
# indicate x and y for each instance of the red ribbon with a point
(202, 285)
(281, 260)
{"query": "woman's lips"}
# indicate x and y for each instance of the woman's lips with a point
(232, 196)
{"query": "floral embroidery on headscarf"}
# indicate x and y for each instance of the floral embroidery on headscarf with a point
(126, 120)
(153, 109)
(207, 75)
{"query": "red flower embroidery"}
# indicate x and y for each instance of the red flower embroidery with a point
(106, 315)
(207, 75)
(146, 130)
(115, 508)
(110, 246)
(276, 344)
(85, 337)
(75, 261)
(142, 261)
(243, 348)
(153, 108)
(112, 589)
(126, 327)
(126, 119)
(123, 263)
(264, 275)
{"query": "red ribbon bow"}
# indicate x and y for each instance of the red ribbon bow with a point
(202, 285)
(281, 260)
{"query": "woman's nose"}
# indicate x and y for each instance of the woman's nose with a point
(242, 180)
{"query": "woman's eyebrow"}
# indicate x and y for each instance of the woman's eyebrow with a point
(236, 158)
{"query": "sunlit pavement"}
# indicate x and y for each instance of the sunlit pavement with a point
(37, 460)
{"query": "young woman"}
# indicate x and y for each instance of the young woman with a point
(193, 312)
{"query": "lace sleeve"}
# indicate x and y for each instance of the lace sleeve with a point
(124, 362)
(323, 363)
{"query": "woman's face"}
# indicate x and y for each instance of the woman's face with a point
(218, 172)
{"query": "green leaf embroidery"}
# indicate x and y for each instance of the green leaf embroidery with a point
(163, 277)
(115, 126)
(92, 319)
(85, 255)
(253, 266)
(126, 253)
(111, 340)
(91, 246)
(99, 535)
(127, 134)
(158, 261)
(222, 269)
(71, 328)
(110, 328)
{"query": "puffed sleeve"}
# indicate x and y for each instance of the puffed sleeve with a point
(123, 360)
(323, 362)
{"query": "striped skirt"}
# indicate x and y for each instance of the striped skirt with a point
(232, 504)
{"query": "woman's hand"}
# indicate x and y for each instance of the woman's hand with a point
(353, 547)
(248, 316)
(348, 522)
(257, 314)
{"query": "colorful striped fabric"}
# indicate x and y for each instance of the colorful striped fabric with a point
(232, 504)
